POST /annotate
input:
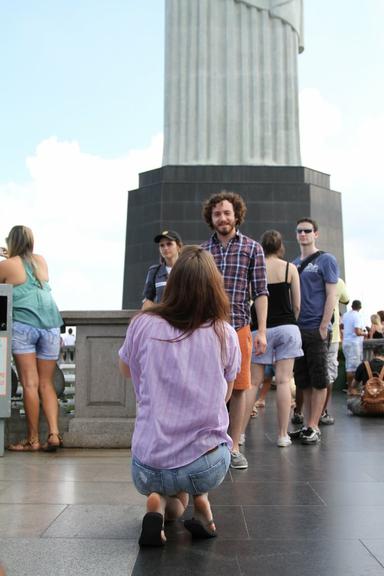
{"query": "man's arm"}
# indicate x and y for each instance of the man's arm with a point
(329, 306)
(260, 340)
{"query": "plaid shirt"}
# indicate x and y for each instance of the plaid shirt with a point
(242, 265)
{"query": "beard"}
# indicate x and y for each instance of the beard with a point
(226, 229)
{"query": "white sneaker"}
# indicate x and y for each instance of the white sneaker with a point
(284, 441)
(242, 440)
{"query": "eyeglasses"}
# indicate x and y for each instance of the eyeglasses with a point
(304, 230)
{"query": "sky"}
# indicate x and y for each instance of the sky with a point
(81, 107)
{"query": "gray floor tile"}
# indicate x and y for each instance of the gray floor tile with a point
(19, 520)
(70, 493)
(98, 522)
(37, 557)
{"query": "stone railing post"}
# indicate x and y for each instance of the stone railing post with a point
(105, 405)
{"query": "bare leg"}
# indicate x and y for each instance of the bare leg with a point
(202, 510)
(236, 417)
(299, 400)
(265, 388)
(328, 395)
(350, 376)
(27, 371)
(46, 370)
(257, 373)
(170, 507)
(156, 503)
(283, 394)
(314, 401)
(175, 505)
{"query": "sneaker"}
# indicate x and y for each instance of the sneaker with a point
(310, 436)
(297, 434)
(238, 460)
(242, 440)
(284, 441)
(326, 419)
(297, 417)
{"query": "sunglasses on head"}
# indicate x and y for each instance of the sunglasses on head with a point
(304, 230)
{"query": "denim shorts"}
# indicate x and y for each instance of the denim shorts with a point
(283, 342)
(44, 342)
(198, 477)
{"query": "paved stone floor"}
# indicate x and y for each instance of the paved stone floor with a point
(299, 511)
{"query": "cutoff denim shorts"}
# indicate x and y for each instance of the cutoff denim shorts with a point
(283, 342)
(44, 342)
(198, 477)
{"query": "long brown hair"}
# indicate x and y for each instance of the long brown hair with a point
(20, 242)
(194, 295)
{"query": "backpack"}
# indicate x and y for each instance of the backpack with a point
(372, 395)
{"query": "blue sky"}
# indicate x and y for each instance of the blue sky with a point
(82, 112)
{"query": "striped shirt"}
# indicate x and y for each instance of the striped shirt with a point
(242, 265)
(180, 389)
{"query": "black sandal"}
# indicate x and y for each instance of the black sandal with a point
(153, 525)
(200, 530)
(49, 446)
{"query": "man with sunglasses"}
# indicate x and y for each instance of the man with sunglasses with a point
(319, 275)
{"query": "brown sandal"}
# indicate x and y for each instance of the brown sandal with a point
(26, 445)
(50, 446)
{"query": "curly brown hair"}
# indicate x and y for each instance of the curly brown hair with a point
(236, 200)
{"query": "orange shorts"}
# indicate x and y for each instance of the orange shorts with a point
(243, 379)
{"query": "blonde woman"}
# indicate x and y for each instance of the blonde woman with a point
(35, 336)
(376, 329)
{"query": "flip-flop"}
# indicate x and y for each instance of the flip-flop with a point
(198, 529)
(153, 524)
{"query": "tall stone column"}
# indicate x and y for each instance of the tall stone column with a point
(231, 85)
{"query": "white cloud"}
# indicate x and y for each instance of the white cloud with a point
(350, 150)
(76, 205)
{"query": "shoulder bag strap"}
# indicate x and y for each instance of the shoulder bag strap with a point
(308, 260)
(368, 369)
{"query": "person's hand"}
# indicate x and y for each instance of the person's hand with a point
(3, 252)
(260, 343)
(323, 332)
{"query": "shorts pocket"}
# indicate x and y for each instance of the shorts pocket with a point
(146, 480)
(210, 478)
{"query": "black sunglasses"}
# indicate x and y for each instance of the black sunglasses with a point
(305, 230)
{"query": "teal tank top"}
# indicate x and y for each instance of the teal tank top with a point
(33, 304)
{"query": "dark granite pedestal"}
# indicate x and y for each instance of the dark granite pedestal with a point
(276, 196)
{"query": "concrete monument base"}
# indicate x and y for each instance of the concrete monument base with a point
(276, 196)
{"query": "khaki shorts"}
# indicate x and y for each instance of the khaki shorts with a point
(243, 379)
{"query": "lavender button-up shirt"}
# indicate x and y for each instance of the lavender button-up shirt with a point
(180, 390)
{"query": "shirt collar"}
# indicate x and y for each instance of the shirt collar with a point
(237, 235)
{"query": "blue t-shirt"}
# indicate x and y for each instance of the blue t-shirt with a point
(322, 270)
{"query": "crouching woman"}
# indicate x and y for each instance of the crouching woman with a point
(182, 356)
